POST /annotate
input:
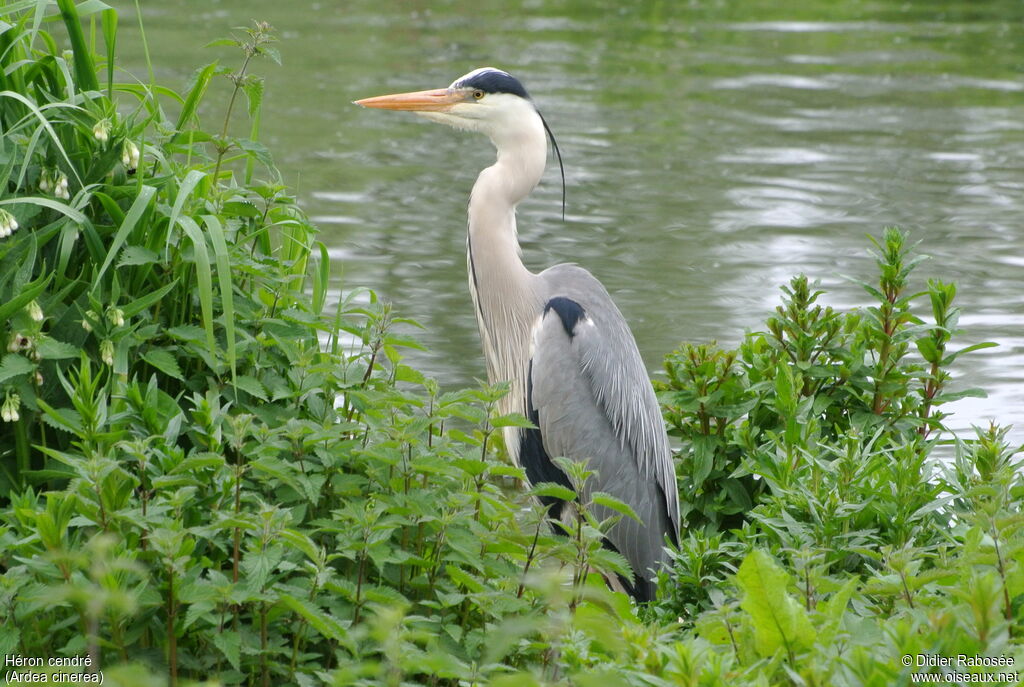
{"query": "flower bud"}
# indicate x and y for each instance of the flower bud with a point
(116, 316)
(107, 352)
(102, 130)
(35, 311)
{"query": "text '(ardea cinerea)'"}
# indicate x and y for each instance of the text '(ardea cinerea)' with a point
(556, 336)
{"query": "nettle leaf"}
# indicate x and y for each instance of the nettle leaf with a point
(259, 565)
(230, 644)
(251, 386)
(321, 621)
(14, 365)
(253, 88)
(601, 498)
(554, 491)
(137, 255)
(51, 349)
(780, 622)
(165, 362)
(511, 420)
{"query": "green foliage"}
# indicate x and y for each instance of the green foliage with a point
(207, 474)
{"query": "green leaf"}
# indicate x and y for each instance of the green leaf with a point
(511, 420)
(833, 611)
(109, 20)
(14, 365)
(165, 362)
(253, 88)
(137, 255)
(948, 360)
(227, 302)
(185, 189)
(779, 621)
(51, 349)
(957, 395)
(204, 278)
(26, 295)
(324, 623)
(127, 226)
(85, 70)
(605, 499)
(554, 491)
(140, 304)
(703, 458)
(230, 644)
(322, 278)
(200, 80)
(63, 208)
(252, 386)
(929, 350)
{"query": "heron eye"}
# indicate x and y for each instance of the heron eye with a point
(477, 94)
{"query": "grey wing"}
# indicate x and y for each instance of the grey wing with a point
(589, 393)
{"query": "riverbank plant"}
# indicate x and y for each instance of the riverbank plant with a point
(210, 474)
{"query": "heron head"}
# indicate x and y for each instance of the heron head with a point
(487, 100)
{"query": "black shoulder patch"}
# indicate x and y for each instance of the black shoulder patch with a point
(494, 81)
(569, 311)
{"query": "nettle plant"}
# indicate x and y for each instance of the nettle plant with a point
(818, 430)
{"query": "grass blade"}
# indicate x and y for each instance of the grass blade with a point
(66, 210)
(130, 220)
(192, 179)
(110, 39)
(220, 251)
(322, 279)
(45, 123)
(204, 278)
(85, 70)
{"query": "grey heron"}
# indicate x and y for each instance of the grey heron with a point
(556, 336)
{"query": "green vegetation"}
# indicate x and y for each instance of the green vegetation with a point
(206, 475)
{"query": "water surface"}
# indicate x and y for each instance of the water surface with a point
(712, 150)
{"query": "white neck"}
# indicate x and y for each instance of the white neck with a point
(505, 292)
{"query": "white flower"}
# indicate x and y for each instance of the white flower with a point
(102, 130)
(61, 189)
(54, 181)
(7, 224)
(130, 156)
(9, 412)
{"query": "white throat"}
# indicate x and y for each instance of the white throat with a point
(504, 291)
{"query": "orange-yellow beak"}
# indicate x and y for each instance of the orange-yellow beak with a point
(436, 100)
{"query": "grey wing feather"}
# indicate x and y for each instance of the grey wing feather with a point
(595, 402)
